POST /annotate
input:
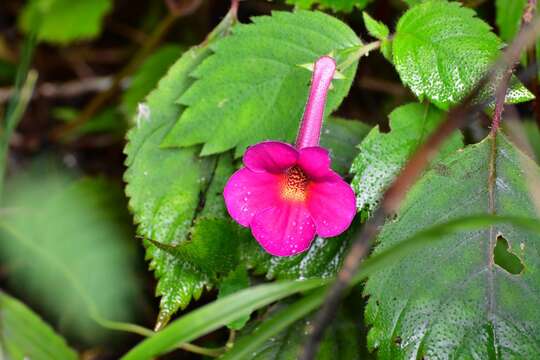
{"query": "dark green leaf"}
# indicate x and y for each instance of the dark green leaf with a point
(23, 335)
(441, 50)
(237, 280)
(382, 155)
(64, 21)
(340, 137)
(68, 243)
(148, 75)
(452, 298)
(164, 187)
(253, 89)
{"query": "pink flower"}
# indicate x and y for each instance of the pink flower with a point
(288, 194)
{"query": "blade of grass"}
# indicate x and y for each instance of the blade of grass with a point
(25, 82)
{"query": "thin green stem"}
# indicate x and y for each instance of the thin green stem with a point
(143, 331)
(12, 120)
(201, 350)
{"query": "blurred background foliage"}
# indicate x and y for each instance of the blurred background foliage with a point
(68, 249)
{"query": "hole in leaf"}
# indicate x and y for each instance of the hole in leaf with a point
(506, 259)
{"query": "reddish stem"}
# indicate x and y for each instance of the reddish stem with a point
(310, 129)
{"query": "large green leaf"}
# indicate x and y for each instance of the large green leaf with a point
(63, 21)
(252, 88)
(68, 245)
(383, 155)
(165, 187)
(23, 335)
(442, 49)
(455, 298)
(335, 5)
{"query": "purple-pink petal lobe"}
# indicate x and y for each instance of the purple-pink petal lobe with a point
(310, 128)
(332, 205)
(248, 193)
(270, 156)
(315, 161)
(285, 229)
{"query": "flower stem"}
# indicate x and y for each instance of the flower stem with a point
(310, 129)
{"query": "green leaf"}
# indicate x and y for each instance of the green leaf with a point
(253, 88)
(23, 335)
(68, 243)
(164, 186)
(148, 75)
(375, 28)
(452, 298)
(340, 137)
(442, 49)
(217, 314)
(508, 17)
(334, 5)
(383, 155)
(64, 21)
(237, 280)
(281, 334)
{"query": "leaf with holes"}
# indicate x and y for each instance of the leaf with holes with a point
(229, 108)
(164, 186)
(459, 298)
(382, 156)
(23, 335)
(442, 49)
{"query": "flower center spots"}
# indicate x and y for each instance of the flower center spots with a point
(295, 185)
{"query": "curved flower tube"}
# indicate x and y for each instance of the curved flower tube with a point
(287, 194)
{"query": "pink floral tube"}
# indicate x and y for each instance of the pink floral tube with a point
(287, 194)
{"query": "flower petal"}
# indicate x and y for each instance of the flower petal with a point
(315, 161)
(332, 205)
(270, 156)
(284, 230)
(248, 193)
